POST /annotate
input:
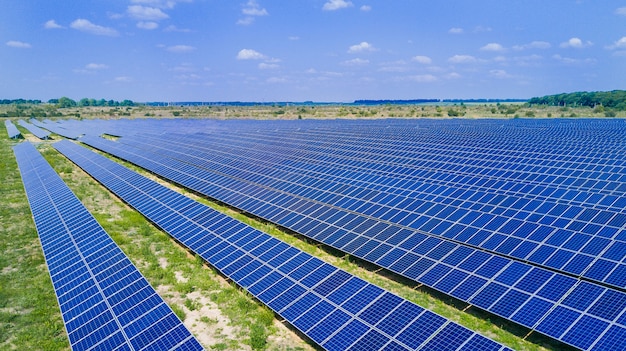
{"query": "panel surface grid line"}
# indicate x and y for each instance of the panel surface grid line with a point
(87, 305)
(272, 283)
(500, 192)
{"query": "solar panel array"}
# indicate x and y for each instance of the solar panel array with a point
(58, 128)
(522, 218)
(38, 132)
(106, 304)
(333, 308)
(12, 130)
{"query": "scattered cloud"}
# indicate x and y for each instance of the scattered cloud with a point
(576, 43)
(251, 9)
(455, 31)
(493, 47)
(123, 79)
(173, 28)
(533, 45)
(573, 61)
(452, 75)
(51, 24)
(334, 5)
(356, 62)
(621, 11)
(18, 44)
(362, 47)
(275, 80)
(96, 66)
(366, 8)
(293, 38)
(180, 49)
(145, 13)
(147, 25)
(86, 26)
(425, 60)
(500, 74)
(423, 78)
(462, 59)
(249, 54)
(619, 44)
(264, 65)
(482, 29)
(164, 4)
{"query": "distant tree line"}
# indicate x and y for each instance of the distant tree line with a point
(65, 102)
(19, 102)
(615, 99)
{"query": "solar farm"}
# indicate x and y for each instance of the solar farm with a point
(521, 221)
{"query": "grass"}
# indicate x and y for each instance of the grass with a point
(29, 314)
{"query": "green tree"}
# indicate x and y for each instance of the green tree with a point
(66, 102)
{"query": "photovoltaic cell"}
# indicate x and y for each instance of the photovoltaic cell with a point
(307, 296)
(104, 300)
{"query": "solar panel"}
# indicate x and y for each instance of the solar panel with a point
(12, 130)
(105, 302)
(333, 308)
(38, 132)
(263, 181)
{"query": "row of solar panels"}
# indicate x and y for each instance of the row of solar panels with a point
(12, 130)
(333, 308)
(106, 304)
(534, 297)
(577, 239)
(37, 131)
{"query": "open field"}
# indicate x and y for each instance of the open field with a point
(221, 315)
(310, 111)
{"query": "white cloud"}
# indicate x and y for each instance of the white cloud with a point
(621, 11)
(492, 47)
(482, 29)
(573, 61)
(252, 8)
(423, 78)
(356, 62)
(455, 31)
(146, 13)
(619, 44)
(276, 80)
(86, 26)
(51, 24)
(533, 45)
(362, 47)
(249, 54)
(499, 73)
(366, 8)
(164, 4)
(18, 44)
(452, 75)
(147, 25)
(462, 59)
(293, 37)
(123, 79)
(173, 28)
(333, 5)
(180, 49)
(425, 60)
(96, 66)
(246, 21)
(264, 65)
(576, 43)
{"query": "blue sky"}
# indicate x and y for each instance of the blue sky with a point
(320, 50)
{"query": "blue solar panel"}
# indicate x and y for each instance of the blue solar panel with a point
(330, 306)
(12, 130)
(38, 132)
(416, 267)
(104, 300)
